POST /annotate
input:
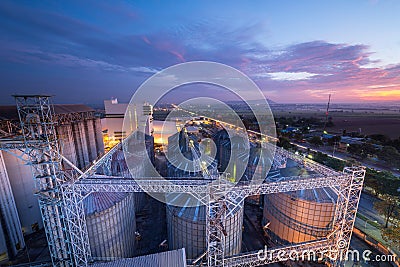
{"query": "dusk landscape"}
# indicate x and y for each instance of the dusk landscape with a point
(200, 133)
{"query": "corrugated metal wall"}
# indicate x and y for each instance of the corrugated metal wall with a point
(294, 219)
(111, 225)
(11, 239)
(187, 229)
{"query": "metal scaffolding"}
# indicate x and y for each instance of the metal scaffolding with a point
(60, 196)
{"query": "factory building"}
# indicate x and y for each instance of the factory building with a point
(113, 120)
(288, 218)
(113, 128)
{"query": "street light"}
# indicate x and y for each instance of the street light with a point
(367, 220)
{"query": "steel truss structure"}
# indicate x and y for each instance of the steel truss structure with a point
(37, 124)
(60, 196)
(66, 118)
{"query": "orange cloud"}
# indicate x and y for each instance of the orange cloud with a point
(384, 94)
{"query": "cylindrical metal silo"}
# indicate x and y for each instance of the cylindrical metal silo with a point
(67, 144)
(90, 138)
(299, 216)
(74, 146)
(187, 228)
(23, 187)
(3, 247)
(110, 219)
(11, 238)
(119, 167)
(99, 136)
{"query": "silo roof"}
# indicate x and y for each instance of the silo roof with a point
(173, 258)
(71, 108)
(320, 195)
(100, 201)
(188, 207)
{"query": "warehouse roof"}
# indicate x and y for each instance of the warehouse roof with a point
(173, 258)
(10, 112)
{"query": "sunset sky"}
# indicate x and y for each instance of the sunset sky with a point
(296, 51)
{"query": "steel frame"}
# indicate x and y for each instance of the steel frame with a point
(67, 118)
(60, 199)
(37, 124)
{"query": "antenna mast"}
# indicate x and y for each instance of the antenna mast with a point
(327, 112)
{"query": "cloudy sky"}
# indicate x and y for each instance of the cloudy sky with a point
(295, 51)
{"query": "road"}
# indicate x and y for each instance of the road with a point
(366, 208)
(359, 245)
(343, 156)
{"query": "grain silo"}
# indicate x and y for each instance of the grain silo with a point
(243, 159)
(187, 227)
(186, 218)
(298, 216)
(11, 238)
(111, 223)
(184, 158)
(119, 167)
(23, 187)
(80, 141)
(79, 134)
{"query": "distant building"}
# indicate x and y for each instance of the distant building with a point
(113, 121)
(346, 141)
(113, 128)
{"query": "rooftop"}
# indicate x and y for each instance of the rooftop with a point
(173, 258)
(10, 112)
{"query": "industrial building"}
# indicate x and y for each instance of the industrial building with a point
(112, 123)
(113, 120)
(96, 218)
(80, 141)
